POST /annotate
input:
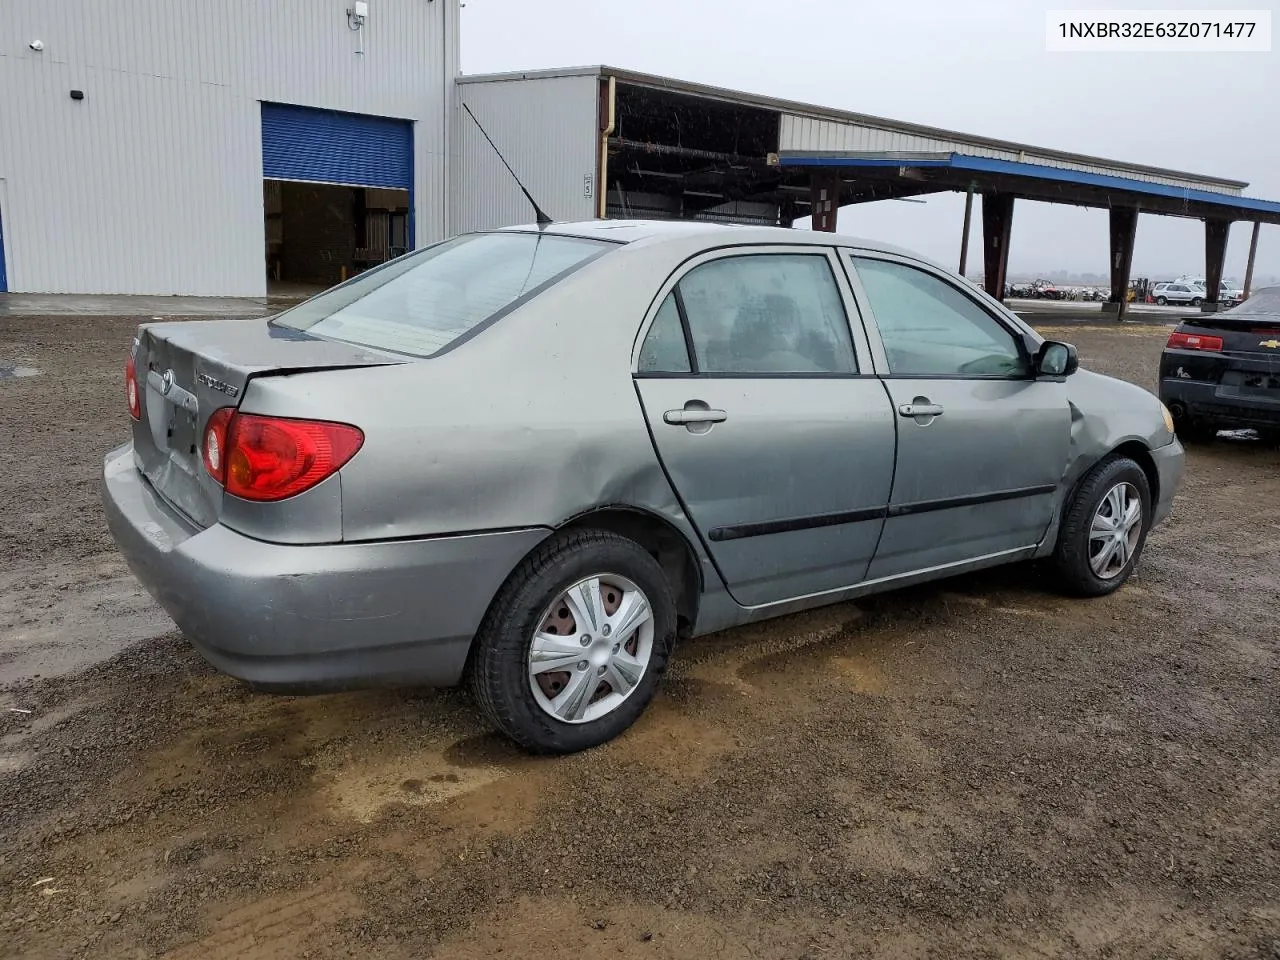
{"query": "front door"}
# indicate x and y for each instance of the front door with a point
(982, 444)
(763, 409)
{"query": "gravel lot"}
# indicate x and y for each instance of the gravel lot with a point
(973, 769)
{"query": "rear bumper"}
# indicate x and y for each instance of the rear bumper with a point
(299, 618)
(1205, 403)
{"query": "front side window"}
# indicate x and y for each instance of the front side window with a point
(767, 314)
(931, 329)
(422, 303)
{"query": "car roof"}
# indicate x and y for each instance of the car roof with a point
(635, 231)
(1261, 303)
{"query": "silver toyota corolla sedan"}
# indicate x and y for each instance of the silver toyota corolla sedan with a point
(534, 458)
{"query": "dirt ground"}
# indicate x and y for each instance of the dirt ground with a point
(977, 768)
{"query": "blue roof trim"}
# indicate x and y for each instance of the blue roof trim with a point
(960, 161)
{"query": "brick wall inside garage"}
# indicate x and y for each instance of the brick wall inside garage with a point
(318, 232)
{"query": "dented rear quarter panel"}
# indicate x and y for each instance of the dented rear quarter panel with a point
(530, 423)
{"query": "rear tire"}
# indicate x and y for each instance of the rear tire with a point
(1099, 543)
(539, 709)
(1196, 432)
(1196, 301)
(1269, 438)
(1161, 302)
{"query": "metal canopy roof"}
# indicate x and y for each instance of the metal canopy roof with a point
(956, 171)
(970, 143)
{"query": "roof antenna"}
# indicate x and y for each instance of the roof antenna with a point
(543, 219)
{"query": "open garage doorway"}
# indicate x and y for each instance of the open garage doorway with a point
(319, 234)
(337, 195)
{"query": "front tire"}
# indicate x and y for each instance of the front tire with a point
(1104, 529)
(573, 646)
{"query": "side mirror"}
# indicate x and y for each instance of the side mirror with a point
(1055, 359)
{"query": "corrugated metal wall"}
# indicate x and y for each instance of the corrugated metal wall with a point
(546, 129)
(153, 182)
(811, 133)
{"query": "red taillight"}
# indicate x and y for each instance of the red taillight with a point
(131, 389)
(271, 458)
(214, 449)
(1194, 341)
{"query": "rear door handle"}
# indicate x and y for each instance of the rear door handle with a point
(682, 418)
(919, 409)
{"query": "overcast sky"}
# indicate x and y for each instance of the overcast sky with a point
(977, 66)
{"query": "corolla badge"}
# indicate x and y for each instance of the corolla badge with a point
(221, 386)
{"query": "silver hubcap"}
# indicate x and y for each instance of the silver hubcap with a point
(1115, 531)
(591, 649)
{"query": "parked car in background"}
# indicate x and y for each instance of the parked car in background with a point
(1229, 294)
(536, 457)
(1178, 293)
(1222, 370)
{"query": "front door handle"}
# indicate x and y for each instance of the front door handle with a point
(694, 415)
(920, 408)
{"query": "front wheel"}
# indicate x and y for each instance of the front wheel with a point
(1104, 529)
(571, 650)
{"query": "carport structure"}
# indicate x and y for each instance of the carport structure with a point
(605, 142)
(850, 176)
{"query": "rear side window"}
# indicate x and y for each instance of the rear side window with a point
(767, 314)
(425, 302)
(664, 349)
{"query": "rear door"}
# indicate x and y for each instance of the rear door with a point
(767, 416)
(982, 444)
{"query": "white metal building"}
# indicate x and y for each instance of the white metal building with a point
(209, 147)
(167, 146)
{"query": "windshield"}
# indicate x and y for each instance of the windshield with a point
(423, 303)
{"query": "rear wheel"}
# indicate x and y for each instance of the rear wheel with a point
(1196, 301)
(1162, 301)
(1103, 529)
(1197, 432)
(1270, 438)
(571, 651)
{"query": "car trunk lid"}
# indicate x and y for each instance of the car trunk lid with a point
(1252, 336)
(186, 371)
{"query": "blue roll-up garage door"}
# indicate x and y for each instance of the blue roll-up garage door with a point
(325, 146)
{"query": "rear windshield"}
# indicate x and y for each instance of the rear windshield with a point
(423, 303)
